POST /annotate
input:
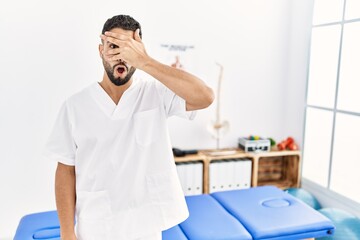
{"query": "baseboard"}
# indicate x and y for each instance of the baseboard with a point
(329, 198)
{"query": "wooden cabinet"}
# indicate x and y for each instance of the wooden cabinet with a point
(279, 168)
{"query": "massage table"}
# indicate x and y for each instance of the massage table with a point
(257, 213)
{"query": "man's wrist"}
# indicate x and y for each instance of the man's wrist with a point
(147, 63)
(68, 235)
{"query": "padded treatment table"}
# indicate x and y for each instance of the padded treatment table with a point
(46, 226)
(174, 233)
(255, 213)
(43, 225)
(208, 220)
(270, 213)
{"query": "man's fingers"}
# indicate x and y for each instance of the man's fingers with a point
(119, 36)
(115, 41)
(112, 57)
(113, 51)
(112, 40)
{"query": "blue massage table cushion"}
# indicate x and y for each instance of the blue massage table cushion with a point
(43, 225)
(256, 213)
(174, 233)
(270, 213)
(208, 220)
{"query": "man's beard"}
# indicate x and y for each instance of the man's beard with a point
(118, 81)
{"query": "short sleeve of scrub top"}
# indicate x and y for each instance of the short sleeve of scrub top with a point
(173, 104)
(60, 145)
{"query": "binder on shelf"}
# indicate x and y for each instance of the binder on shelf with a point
(237, 174)
(191, 177)
(221, 176)
(247, 171)
(242, 173)
(198, 183)
(180, 170)
(213, 177)
(229, 174)
(232, 170)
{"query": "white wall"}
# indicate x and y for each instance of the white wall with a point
(251, 41)
(49, 51)
(297, 67)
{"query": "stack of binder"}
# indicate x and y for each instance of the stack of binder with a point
(191, 177)
(229, 174)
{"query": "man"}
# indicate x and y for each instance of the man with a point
(115, 170)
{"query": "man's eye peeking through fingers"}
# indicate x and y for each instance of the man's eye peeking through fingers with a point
(112, 46)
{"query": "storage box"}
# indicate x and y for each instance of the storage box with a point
(261, 145)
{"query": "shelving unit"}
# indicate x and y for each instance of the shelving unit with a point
(278, 168)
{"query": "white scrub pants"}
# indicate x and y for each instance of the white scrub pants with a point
(157, 236)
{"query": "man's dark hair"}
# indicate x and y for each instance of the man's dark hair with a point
(122, 21)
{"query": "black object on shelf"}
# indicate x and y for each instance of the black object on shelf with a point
(181, 153)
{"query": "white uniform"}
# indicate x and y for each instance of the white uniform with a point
(126, 181)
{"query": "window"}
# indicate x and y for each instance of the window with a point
(332, 124)
(345, 161)
(328, 11)
(352, 9)
(323, 66)
(349, 84)
(318, 145)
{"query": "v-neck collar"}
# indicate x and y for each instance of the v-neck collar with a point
(108, 106)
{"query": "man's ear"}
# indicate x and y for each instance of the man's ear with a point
(101, 50)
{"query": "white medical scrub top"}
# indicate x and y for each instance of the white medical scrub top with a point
(126, 180)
